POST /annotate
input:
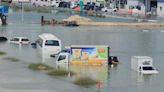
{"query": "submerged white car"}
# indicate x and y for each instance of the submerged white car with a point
(20, 40)
(108, 9)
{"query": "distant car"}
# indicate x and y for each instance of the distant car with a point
(108, 9)
(3, 39)
(73, 4)
(64, 4)
(55, 4)
(88, 7)
(136, 12)
(20, 40)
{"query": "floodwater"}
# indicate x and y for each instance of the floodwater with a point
(124, 43)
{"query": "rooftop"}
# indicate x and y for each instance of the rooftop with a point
(48, 36)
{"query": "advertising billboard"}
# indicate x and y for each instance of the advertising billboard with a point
(90, 55)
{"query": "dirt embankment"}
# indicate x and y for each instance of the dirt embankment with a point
(88, 22)
(78, 19)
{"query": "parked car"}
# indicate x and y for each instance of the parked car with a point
(20, 40)
(97, 8)
(108, 9)
(64, 4)
(3, 39)
(88, 7)
(55, 4)
(73, 4)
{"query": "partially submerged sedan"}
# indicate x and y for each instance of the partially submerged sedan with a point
(20, 40)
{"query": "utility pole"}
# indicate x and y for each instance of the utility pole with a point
(81, 7)
(145, 7)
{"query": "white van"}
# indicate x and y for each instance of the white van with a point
(143, 64)
(48, 44)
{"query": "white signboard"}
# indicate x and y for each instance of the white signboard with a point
(24, 1)
(133, 2)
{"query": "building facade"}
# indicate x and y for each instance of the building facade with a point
(145, 6)
(160, 8)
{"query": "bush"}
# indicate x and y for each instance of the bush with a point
(40, 67)
(2, 53)
(85, 81)
(13, 59)
(60, 72)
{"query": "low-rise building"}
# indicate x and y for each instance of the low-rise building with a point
(160, 8)
(146, 6)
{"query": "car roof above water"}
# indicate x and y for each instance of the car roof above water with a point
(21, 37)
(48, 36)
(142, 57)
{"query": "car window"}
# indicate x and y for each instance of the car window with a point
(15, 39)
(25, 40)
(52, 43)
(62, 57)
(148, 68)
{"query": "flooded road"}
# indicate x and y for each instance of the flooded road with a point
(124, 43)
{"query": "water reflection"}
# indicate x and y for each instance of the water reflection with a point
(3, 31)
(144, 78)
(96, 72)
(124, 42)
(45, 58)
(62, 66)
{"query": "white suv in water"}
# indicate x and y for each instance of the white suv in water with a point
(20, 40)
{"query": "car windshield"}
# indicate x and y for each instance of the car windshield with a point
(148, 68)
(15, 39)
(25, 40)
(52, 43)
(62, 57)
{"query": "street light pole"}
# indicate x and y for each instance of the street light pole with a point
(81, 7)
(22, 11)
(145, 7)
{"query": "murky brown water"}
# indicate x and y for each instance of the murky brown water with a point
(124, 43)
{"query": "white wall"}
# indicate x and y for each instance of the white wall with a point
(135, 3)
(160, 11)
(16, 1)
(42, 3)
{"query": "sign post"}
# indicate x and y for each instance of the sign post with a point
(81, 7)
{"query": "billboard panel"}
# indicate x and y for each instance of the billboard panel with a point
(91, 55)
